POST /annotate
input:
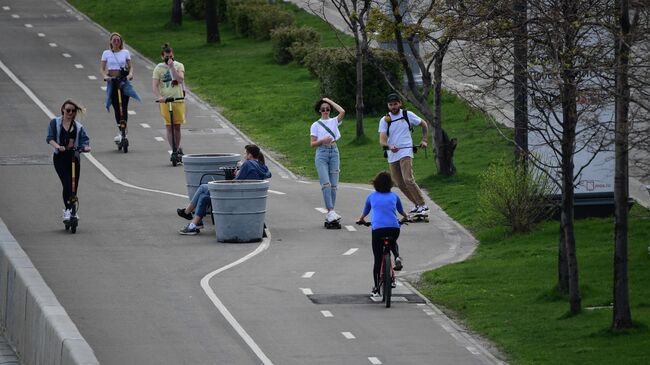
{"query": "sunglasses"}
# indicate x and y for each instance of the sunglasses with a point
(325, 110)
(68, 110)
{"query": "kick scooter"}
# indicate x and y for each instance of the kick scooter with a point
(74, 200)
(123, 144)
(175, 157)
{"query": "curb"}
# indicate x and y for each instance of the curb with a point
(37, 327)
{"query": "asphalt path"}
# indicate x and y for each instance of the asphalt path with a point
(142, 294)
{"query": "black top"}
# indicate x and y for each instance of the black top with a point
(67, 135)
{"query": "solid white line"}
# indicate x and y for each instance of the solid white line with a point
(322, 210)
(350, 251)
(327, 314)
(350, 228)
(206, 279)
(303, 182)
(205, 284)
(307, 291)
(308, 274)
(145, 125)
(92, 77)
(348, 335)
(374, 361)
(159, 139)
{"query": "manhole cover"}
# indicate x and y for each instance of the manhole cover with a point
(26, 160)
(360, 298)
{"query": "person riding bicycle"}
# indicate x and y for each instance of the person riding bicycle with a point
(253, 168)
(168, 77)
(117, 68)
(395, 137)
(384, 204)
(64, 134)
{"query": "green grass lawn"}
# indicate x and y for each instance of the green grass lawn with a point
(504, 291)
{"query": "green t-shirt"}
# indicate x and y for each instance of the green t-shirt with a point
(168, 88)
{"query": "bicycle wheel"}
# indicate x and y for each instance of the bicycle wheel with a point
(387, 280)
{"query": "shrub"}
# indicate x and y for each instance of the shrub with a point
(336, 70)
(256, 18)
(514, 197)
(291, 40)
(194, 8)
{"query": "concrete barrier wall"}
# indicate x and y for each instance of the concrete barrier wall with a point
(34, 322)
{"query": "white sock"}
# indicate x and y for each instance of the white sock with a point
(191, 225)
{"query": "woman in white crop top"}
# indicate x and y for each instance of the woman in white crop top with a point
(116, 66)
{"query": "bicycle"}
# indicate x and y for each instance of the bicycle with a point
(123, 143)
(73, 222)
(385, 286)
(175, 157)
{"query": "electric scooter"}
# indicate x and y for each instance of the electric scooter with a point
(175, 157)
(123, 144)
(74, 200)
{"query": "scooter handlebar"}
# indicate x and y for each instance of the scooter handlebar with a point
(170, 100)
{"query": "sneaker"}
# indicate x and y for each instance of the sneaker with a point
(393, 284)
(180, 151)
(414, 210)
(67, 214)
(336, 215)
(375, 293)
(181, 213)
(423, 209)
(200, 226)
(398, 264)
(331, 216)
(118, 138)
(187, 231)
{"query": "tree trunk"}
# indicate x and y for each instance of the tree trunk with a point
(212, 22)
(443, 147)
(622, 318)
(177, 12)
(359, 92)
(562, 265)
(520, 82)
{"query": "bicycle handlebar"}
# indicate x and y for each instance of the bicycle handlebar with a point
(401, 222)
(170, 99)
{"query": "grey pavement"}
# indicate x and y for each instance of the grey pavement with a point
(134, 287)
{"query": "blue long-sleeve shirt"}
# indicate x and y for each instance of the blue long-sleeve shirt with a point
(253, 170)
(384, 208)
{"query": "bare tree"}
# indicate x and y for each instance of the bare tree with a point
(354, 14)
(212, 21)
(177, 12)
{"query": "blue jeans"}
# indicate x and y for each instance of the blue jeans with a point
(328, 167)
(201, 200)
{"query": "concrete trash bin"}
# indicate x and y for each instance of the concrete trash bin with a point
(202, 168)
(238, 208)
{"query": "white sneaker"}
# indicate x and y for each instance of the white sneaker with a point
(414, 210)
(336, 215)
(118, 138)
(331, 216)
(66, 215)
(422, 209)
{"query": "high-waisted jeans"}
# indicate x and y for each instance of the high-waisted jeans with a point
(328, 166)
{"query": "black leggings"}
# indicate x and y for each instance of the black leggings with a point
(378, 236)
(63, 166)
(116, 103)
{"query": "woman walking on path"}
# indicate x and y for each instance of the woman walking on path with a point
(324, 134)
(64, 134)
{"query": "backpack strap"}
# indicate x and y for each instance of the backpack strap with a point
(404, 117)
(327, 129)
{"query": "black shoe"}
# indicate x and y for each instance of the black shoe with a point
(200, 225)
(181, 213)
(180, 152)
(187, 231)
(398, 264)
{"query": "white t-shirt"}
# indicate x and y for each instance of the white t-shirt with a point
(116, 60)
(319, 132)
(399, 134)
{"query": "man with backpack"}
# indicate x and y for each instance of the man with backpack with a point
(395, 137)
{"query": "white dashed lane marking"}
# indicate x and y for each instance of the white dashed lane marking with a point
(327, 314)
(159, 139)
(15, 16)
(41, 35)
(6, 8)
(66, 55)
(52, 45)
(78, 65)
(350, 251)
(348, 335)
(308, 274)
(29, 25)
(92, 77)
(374, 361)
(131, 112)
(322, 210)
(145, 125)
(350, 228)
(306, 291)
